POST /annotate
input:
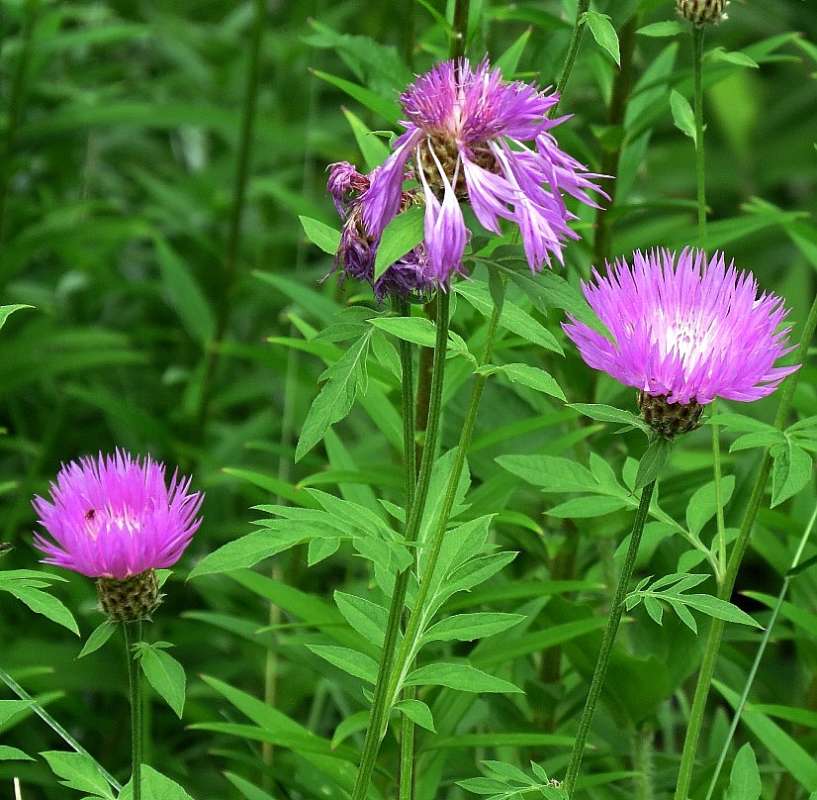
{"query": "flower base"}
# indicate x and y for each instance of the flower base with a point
(702, 12)
(129, 600)
(669, 419)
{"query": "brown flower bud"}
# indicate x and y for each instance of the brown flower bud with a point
(702, 12)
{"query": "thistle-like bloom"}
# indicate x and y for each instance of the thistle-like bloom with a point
(472, 136)
(701, 12)
(684, 330)
(115, 517)
(358, 249)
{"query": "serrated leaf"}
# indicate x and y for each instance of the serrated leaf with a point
(402, 234)
(165, 675)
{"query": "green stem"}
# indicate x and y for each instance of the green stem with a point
(716, 469)
(405, 656)
(603, 660)
(459, 30)
(380, 704)
(700, 155)
(760, 652)
(572, 51)
(710, 657)
(56, 727)
(16, 109)
(135, 694)
(236, 213)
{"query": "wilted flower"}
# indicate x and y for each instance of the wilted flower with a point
(358, 248)
(465, 134)
(683, 333)
(700, 12)
(116, 519)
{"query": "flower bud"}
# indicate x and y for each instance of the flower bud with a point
(669, 419)
(131, 599)
(702, 12)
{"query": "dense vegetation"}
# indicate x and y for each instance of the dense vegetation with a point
(167, 234)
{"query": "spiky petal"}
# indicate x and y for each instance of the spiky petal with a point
(685, 329)
(116, 516)
(473, 136)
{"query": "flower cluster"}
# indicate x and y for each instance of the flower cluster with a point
(684, 330)
(469, 136)
(358, 249)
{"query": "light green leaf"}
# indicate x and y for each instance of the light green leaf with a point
(78, 771)
(351, 661)
(604, 33)
(8, 753)
(7, 311)
(165, 675)
(402, 234)
(320, 234)
(99, 636)
(682, 114)
(604, 413)
(462, 677)
(509, 60)
(652, 462)
(744, 780)
(375, 151)
(43, 603)
(156, 786)
(418, 712)
(467, 627)
(532, 377)
(701, 507)
(661, 29)
(367, 618)
(791, 471)
(388, 109)
(246, 552)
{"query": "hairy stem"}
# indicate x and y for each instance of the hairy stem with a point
(767, 634)
(57, 728)
(132, 635)
(603, 660)
(380, 704)
(710, 657)
(700, 153)
(236, 213)
(572, 51)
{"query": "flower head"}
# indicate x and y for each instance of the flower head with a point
(685, 330)
(116, 517)
(701, 12)
(472, 136)
(358, 248)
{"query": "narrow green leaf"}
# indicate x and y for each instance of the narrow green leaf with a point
(375, 151)
(682, 114)
(7, 311)
(462, 677)
(604, 33)
(402, 234)
(99, 636)
(509, 60)
(348, 660)
(468, 627)
(165, 675)
(661, 29)
(78, 771)
(320, 234)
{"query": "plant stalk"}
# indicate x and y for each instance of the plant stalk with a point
(236, 213)
(135, 693)
(707, 670)
(700, 153)
(603, 660)
(55, 726)
(572, 52)
(380, 704)
(767, 634)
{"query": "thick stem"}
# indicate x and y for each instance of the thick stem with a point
(760, 653)
(15, 109)
(700, 154)
(572, 52)
(603, 660)
(710, 657)
(380, 704)
(611, 157)
(236, 213)
(132, 635)
(57, 728)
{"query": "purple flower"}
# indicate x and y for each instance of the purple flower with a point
(358, 249)
(685, 330)
(466, 133)
(116, 517)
